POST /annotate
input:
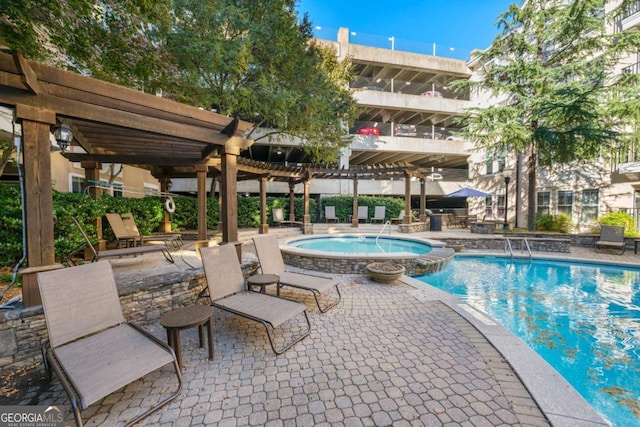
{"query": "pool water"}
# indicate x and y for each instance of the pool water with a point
(583, 319)
(362, 244)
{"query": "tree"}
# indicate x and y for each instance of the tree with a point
(547, 70)
(112, 40)
(254, 60)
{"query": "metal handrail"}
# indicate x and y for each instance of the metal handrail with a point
(507, 244)
(526, 243)
(388, 223)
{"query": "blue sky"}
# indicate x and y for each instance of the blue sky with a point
(454, 26)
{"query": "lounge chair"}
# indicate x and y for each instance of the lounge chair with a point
(228, 292)
(172, 240)
(278, 217)
(379, 214)
(91, 348)
(611, 237)
(363, 213)
(399, 218)
(330, 214)
(135, 250)
(271, 262)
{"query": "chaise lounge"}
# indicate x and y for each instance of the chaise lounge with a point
(271, 262)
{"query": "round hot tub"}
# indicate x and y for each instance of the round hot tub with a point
(350, 254)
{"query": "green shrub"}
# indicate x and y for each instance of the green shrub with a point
(620, 218)
(559, 223)
(344, 205)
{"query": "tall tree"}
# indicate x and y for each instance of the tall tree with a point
(547, 70)
(113, 40)
(255, 60)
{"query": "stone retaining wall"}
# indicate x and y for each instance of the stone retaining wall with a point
(414, 227)
(497, 243)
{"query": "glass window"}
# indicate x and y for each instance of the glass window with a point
(565, 202)
(78, 184)
(543, 205)
(488, 207)
(117, 190)
(589, 206)
(489, 165)
(500, 206)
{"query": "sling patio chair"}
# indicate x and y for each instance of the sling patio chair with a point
(330, 214)
(611, 237)
(227, 291)
(271, 262)
(91, 348)
(379, 213)
(363, 213)
(399, 218)
(110, 253)
(278, 218)
(172, 240)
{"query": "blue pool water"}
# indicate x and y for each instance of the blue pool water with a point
(583, 319)
(362, 244)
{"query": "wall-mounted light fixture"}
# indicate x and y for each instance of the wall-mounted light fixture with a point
(63, 135)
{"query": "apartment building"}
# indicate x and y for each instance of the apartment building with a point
(584, 192)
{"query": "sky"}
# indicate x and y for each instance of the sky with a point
(456, 27)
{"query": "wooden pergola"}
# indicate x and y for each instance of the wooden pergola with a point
(113, 124)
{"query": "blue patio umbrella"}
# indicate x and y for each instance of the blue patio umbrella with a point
(468, 192)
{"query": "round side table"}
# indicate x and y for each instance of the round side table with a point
(184, 318)
(263, 280)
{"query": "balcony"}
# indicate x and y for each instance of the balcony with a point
(629, 17)
(632, 69)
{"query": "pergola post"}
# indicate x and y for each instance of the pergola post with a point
(407, 198)
(38, 209)
(201, 177)
(264, 226)
(354, 216)
(423, 200)
(292, 200)
(220, 204)
(91, 177)
(306, 219)
(229, 169)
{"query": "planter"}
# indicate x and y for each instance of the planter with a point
(385, 272)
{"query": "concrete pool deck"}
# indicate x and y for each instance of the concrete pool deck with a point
(401, 354)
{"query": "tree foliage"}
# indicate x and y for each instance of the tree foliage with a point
(547, 72)
(253, 59)
(112, 40)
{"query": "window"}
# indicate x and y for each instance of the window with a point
(500, 206)
(543, 205)
(117, 190)
(489, 165)
(589, 206)
(77, 184)
(488, 207)
(151, 190)
(565, 202)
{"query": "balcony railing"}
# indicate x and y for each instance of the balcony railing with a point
(630, 10)
(405, 130)
(431, 90)
(632, 69)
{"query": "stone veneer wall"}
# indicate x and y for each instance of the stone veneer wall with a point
(22, 330)
(497, 243)
(414, 227)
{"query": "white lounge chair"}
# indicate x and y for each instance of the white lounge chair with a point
(330, 214)
(363, 213)
(228, 292)
(379, 214)
(271, 262)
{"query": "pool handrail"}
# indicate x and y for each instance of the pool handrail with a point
(388, 223)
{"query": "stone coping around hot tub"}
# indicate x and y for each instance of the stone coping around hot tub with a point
(286, 247)
(356, 262)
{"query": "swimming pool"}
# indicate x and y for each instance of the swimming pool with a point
(584, 319)
(351, 253)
